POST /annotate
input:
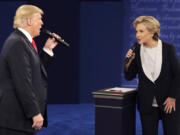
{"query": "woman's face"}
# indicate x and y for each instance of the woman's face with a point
(142, 34)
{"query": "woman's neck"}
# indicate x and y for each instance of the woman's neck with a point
(151, 44)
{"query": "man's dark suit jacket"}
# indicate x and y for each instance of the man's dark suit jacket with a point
(23, 83)
(166, 85)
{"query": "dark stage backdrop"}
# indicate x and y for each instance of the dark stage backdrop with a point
(62, 17)
(106, 34)
(100, 46)
(100, 32)
(7, 11)
(166, 11)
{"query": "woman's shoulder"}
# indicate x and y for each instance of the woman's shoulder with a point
(167, 43)
(168, 46)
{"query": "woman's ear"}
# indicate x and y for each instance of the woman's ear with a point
(152, 35)
(156, 36)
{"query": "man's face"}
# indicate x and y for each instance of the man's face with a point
(37, 23)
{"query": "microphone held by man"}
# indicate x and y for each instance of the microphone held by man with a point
(59, 40)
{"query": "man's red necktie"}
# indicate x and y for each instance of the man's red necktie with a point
(34, 45)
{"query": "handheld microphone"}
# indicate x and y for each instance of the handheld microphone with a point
(133, 49)
(47, 32)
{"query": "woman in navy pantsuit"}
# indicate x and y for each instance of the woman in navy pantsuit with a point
(157, 66)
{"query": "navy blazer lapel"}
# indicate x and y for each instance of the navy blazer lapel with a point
(139, 60)
(164, 49)
(162, 66)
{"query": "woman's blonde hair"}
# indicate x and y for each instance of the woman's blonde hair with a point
(24, 12)
(150, 23)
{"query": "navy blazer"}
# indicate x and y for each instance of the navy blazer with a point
(166, 85)
(23, 83)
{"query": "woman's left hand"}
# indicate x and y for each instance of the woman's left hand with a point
(170, 105)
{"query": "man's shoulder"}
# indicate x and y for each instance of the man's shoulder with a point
(17, 36)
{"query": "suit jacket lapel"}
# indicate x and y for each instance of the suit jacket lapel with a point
(162, 67)
(163, 62)
(34, 51)
(140, 63)
(43, 70)
(26, 39)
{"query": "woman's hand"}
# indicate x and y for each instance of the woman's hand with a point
(170, 105)
(130, 55)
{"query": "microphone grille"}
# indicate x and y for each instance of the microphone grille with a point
(45, 31)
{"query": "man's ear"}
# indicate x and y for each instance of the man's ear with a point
(29, 22)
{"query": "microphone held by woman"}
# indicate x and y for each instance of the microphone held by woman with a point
(133, 49)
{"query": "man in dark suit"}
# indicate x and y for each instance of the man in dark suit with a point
(23, 78)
